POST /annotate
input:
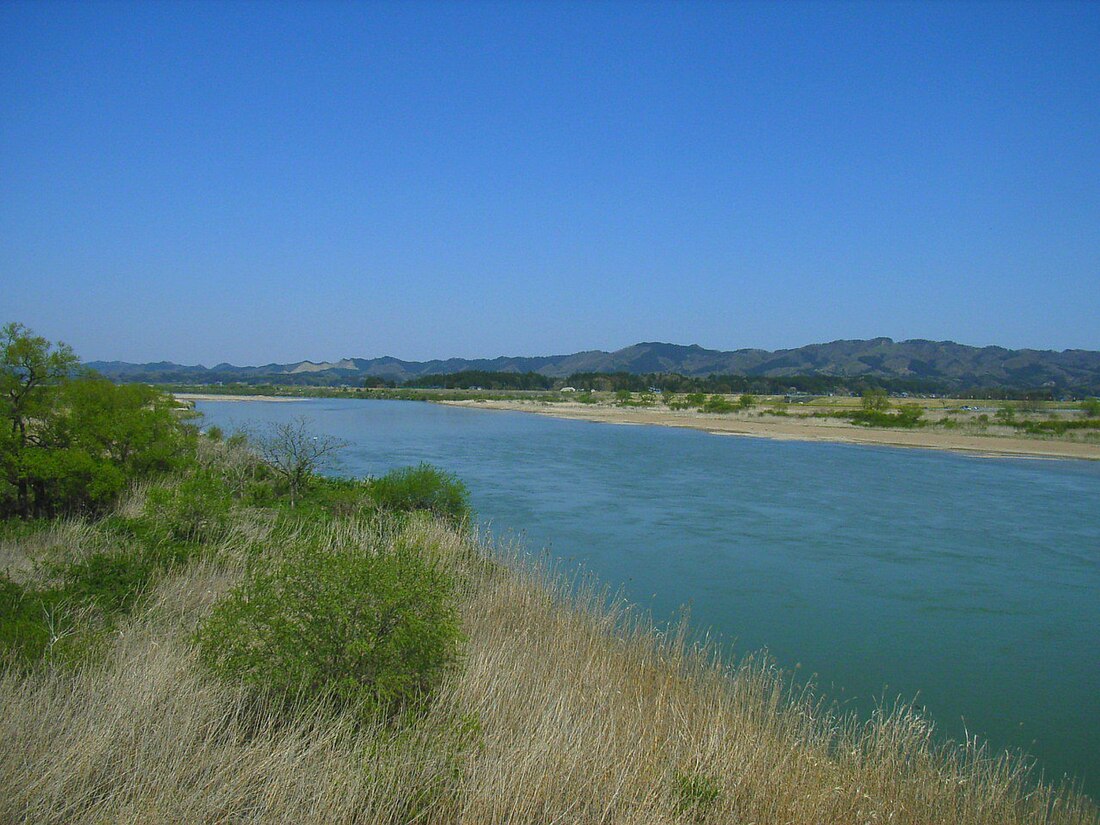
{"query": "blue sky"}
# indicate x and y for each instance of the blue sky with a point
(255, 182)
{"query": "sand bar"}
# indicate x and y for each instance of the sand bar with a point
(804, 429)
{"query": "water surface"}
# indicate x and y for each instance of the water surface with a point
(969, 584)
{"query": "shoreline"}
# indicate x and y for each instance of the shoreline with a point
(211, 396)
(794, 429)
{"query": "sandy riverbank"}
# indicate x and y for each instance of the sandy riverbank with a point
(205, 396)
(803, 429)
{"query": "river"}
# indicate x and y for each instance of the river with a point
(970, 585)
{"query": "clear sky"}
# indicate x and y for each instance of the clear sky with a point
(254, 182)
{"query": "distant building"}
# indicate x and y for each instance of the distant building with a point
(568, 389)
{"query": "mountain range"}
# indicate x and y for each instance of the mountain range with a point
(953, 366)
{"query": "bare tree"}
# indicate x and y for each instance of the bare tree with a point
(295, 453)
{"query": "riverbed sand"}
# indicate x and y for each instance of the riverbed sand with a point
(792, 428)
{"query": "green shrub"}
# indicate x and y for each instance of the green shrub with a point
(717, 404)
(24, 631)
(109, 581)
(695, 399)
(907, 416)
(64, 621)
(371, 628)
(423, 487)
(1060, 427)
(195, 510)
(696, 794)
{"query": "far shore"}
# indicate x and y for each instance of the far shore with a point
(797, 429)
(209, 396)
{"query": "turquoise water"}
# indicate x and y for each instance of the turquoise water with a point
(971, 585)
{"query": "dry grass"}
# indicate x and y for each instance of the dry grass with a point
(26, 557)
(564, 710)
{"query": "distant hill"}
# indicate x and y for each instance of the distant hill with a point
(953, 366)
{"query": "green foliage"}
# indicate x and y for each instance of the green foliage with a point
(196, 509)
(372, 628)
(423, 487)
(907, 416)
(875, 400)
(111, 582)
(717, 404)
(586, 398)
(1006, 414)
(24, 629)
(624, 398)
(63, 619)
(73, 443)
(746, 401)
(696, 794)
(1058, 427)
(1090, 408)
(696, 399)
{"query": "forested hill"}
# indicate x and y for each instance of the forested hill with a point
(950, 365)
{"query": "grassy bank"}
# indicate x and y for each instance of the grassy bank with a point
(559, 707)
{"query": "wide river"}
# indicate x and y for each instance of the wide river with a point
(970, 585)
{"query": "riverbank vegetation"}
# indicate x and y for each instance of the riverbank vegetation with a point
(209, 645)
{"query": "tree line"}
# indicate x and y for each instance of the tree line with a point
(668, 382)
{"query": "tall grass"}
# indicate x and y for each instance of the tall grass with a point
(565, 708)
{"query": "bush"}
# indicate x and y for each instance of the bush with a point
(717, 404)
(695, 399)
(422, 488)
(371, 628)
(24, 630)
(907, 416)
(194, 510)
(110, 581)
(63, 621)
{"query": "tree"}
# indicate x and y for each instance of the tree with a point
(875, 400)
(746, 401)
(71, 442)
(31, 370)
(295, 454)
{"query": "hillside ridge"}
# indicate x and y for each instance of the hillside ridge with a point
(946, 362)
